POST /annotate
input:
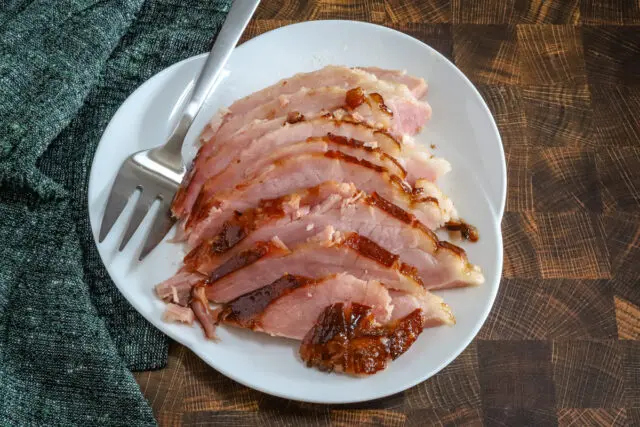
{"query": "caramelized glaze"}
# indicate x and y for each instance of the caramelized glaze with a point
(354, 98)
(467, 231)
(245, 310)
(244, 258)
(379, 102)
(346, 339)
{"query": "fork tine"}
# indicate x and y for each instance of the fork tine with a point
(115, 205)
(162, 223)
(139, 212)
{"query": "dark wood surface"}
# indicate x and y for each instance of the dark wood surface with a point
(561, 346)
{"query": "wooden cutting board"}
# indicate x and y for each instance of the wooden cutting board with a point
(561, 346)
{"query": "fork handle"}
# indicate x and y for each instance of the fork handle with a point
(237, 19)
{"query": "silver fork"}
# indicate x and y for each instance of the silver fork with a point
(158, 172)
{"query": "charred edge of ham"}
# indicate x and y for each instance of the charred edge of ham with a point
(245, 258)
(346, 339)
(401, 184)
(245, 311)
(369, 249)
(360, 244)
(243, 225)
(467, 231)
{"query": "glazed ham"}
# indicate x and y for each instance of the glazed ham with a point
(377, 101)
(346, 338)
(305, 171)
(290, 306)
(261, 139)
(234, 175)
(378, 148)
(311, 212)
(297, 217)
(328, 76)
(327, 253)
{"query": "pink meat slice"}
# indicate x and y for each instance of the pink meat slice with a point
(198, 172)
(327, 253)
(290, 306)
(414, 163)
(328, 76)
(299, 216)
(436, 311)
(416, 85)
(249, 169)
(177, 289)
(179, 314)
(309, 170)
(409, 115)
(250, 144)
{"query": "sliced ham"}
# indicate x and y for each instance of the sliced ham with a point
(299, 216)
(177, 289)
(327, 253)
(251, 144)
(308, 102)
(328, 76)
(235, 174)
(179, 314)
(436, 312)
(290, 306)
(204, 314)
(416, 85)
(421, 165)
(346, 338)
(305, 171)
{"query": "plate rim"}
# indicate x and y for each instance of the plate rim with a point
(497, 222)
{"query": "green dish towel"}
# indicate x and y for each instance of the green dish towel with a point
(67, 337)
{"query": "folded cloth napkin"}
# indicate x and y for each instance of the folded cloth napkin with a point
(67, 337)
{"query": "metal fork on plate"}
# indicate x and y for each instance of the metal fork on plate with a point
(158, 172)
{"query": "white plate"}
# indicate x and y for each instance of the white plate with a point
(462, 129)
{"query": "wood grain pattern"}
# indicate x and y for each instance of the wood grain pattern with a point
(588, 374)
(561, 346)
(627, 319)
(592, 417)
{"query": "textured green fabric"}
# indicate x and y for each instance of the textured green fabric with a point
(67, 337)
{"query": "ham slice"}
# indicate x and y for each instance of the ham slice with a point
(177, 289)
(179, 314)
(346, 338)
(416, 85)
(290, 306)
(327, 253)
(263, 138)
(299, 216)
(308, 102)
(328, 76)
(421, 165)
(305, 171)
(234, 175)
(434, 309)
